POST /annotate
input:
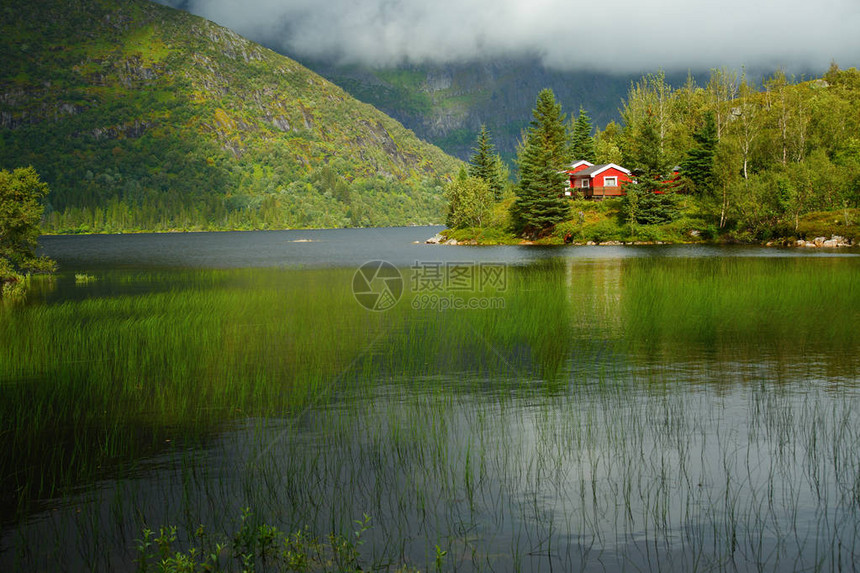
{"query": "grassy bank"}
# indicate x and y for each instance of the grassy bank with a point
(604, 222)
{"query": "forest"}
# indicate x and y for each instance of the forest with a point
(752, 163)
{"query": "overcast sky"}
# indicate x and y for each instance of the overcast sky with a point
(610, 35)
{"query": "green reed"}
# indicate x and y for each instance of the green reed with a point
(616, 414)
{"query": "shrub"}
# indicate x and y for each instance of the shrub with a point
(603, 230)
(571, 229)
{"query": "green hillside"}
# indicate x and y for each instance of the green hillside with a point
(447, 103)
(141, 117)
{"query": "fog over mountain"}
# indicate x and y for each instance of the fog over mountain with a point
(616, 36)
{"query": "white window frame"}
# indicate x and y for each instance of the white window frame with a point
(584, 184)
(614, 180)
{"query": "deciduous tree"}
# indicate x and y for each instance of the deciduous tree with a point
(470, 201)
(748, 123)
(21, 210)
(606, 147)
(722, 90)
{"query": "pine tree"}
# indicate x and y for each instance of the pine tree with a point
(699, 163)
(648, 201)
(486, 164)
(582, 143)
(540, 202)
(642, 150)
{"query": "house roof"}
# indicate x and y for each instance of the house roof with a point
(598, 169)
(576, 164)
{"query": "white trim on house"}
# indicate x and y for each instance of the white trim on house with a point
(609, 166)
(576, 164)
(613, 178)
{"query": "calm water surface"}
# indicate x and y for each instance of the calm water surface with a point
(338, 248)
(658, 408)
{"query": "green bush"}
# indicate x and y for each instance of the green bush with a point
(650, 208)
(568, 228)
(845, 223)
(602, 231)
(651, 233)
(609, 205)
(12, 284)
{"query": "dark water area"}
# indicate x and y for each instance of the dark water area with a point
(649, 408)
(401, 246)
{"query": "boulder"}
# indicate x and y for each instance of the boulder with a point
(833, 242)
(836, 241)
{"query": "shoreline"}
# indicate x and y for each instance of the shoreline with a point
(199, 231)
(833, 242)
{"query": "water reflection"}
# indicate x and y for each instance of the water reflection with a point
(646, 412)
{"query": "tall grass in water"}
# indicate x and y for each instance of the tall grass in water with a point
(759, 312)
(89, 380)
(610, 417)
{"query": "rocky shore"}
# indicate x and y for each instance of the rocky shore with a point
(834, 241)
(823, 242)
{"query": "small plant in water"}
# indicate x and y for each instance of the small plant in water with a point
(254, 545)
(440, 558)
(345, 554)
(143, 550)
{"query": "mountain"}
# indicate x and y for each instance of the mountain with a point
(142, 117)
(447, 103)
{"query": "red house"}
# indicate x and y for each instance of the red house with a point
(596, 181)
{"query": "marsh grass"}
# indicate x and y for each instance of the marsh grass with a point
(669, 414)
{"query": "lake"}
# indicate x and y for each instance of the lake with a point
(345, 399)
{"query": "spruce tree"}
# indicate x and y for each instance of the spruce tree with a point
(486, 164)
(540, 201)
(643, 152)
(582, 144)
(648, 200)
(698, 166)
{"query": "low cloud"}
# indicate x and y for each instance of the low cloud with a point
(614, 35)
